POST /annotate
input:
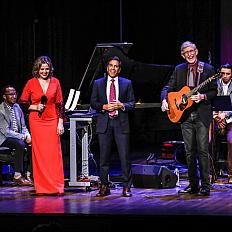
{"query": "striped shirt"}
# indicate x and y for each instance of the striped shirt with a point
(14, 126)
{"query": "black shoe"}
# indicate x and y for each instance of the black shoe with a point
(126, 192)
(204, 191)
(103, 191)
(189, 190)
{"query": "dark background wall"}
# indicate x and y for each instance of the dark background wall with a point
(68, 33)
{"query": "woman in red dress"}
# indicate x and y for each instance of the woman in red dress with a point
(43, 96)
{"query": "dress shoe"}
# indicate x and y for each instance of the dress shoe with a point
(229, 179)
(204, 191)
(189, 189)
(21, 181)
(103, 191)
(126, 192)
(29, 179)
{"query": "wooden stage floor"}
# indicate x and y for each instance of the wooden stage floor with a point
(79, 210)
(149, 209)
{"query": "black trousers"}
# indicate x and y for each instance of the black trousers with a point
(196, 140)
(22, 155)
(114, 131)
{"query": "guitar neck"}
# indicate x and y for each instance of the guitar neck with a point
(195, 90)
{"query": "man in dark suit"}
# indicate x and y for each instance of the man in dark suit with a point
(15, 135)
(196, 119)
(113, 122)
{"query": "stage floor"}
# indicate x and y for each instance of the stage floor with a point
(21, 210)
(148, 209)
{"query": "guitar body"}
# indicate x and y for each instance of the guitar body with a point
(178, 102)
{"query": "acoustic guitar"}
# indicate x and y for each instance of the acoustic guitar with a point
(179, 101)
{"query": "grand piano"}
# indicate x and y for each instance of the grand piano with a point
(147, 79)
(148, 123)
(150, 127)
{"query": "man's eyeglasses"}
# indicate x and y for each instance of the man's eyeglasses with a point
(190, 52)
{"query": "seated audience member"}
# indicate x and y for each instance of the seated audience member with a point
(15, 135)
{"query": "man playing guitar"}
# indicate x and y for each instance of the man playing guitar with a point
(197, 113)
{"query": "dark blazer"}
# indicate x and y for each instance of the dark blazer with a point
(179, 79)
(220, 88)
(99, 98)
(6, 121)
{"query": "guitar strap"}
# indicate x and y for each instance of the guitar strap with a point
(200, 68)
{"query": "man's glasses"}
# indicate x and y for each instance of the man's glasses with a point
(190, 52)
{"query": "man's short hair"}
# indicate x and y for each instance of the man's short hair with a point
(114, 58)
(227, 65)
(187, 44)
(3, 91)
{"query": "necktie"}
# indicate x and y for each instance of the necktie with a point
(191, 78)
(14, 121)
(112, 97)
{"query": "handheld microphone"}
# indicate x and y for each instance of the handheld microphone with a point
(43, 101)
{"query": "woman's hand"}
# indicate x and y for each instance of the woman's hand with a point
(41, 107)
(60, 127)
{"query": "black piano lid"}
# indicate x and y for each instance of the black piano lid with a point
(147, 79)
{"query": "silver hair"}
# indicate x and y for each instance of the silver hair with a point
(187, 44)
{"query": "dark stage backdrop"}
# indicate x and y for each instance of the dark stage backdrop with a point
(68, 33)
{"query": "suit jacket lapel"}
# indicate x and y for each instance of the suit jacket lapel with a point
(120, 85)
(220, 89)
(229, 88)
(185, 73)
(7, 113)
(104, 83)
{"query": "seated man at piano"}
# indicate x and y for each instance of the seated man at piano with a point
(223, 119)
(196, 86)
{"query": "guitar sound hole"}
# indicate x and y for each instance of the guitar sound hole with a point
(184, 100)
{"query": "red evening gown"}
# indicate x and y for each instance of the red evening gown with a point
(47, 159)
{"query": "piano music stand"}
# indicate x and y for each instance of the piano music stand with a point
(220, 103)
